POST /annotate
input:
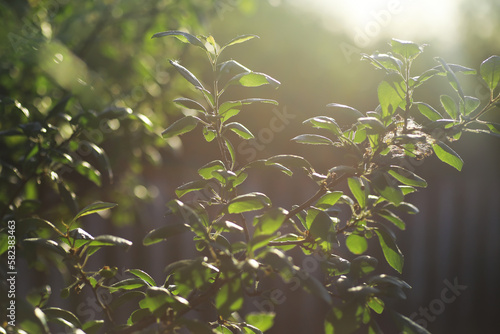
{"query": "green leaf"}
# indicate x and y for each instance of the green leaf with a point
(387, 187)
(253, 79)
(129, 284)
(471, 104)
(183, 37)
(447, 155)
(248, 202)
(239, 129)
(55, 312)
(164, 232)
(290, 161)
(356, 244)
(406, 177)
(270, 221)
(313, 139)
(347, 113)
(92, 326)
(101, 157)
(408, 326)
(385, 61)
(494, 128)
(452, 78)
(449, 106)
(321, 227)
(181, 126)
(229, 298)
(391, 251)
(191, 186)
(359, 190)
(314, 287)
(239, 39)
(187, 75)
(490, 72)
(373, 123)
(262, 320)
(328, 200)
(88, 171)
(362, 265)
(324, 122)
(93, 208)
(391, 93)
(110, 240)
(393, 218)
(190, 104)
(206, 171)
(407, 49)
(279, 262)
(428, 111)
(232, 152)
(376, 304)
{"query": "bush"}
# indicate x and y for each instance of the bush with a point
(244, 242)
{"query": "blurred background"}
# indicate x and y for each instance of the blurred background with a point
(313, 48)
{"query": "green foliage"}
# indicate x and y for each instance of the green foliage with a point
(242, 239)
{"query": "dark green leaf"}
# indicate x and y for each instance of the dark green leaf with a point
(46, 244)
(183, 37)
(362, 265)
(490, 72)
(391, 251)
(313, 139)
(190, 104)
(187, 75)
(447, 155)
(92, 326)
(349, 114)
(164, 232)
(408, 326)
(55, 312)
(181, 126)
(88, 171)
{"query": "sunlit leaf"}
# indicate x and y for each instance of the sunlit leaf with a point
(391, 251)
(248, 202)
(183, 37)
(391, 93)
(93, 208)
(406, 49)
(239, 129)
(181, 126)
(490, 72)
(164, 232)
(449, 106)
(190, 104)
(428, 111)
(329, 199)
(357, 244)
(187, 74)
(239, 39)
(406, 177)
(312, 139)
(447, 155)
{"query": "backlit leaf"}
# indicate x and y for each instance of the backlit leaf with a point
(181, 126)
(447, 155)
(490, 72)
(248, 202)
